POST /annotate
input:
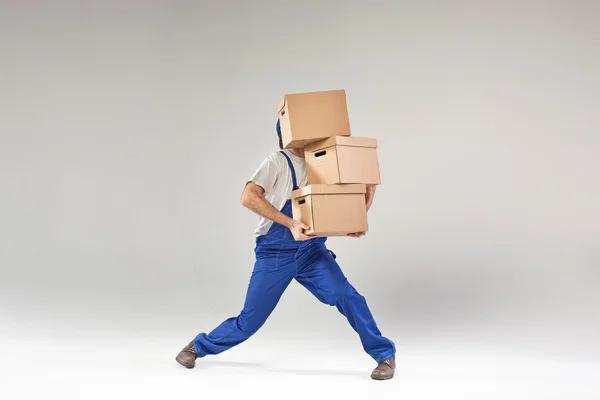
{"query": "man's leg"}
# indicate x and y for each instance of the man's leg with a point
(270, 278)
(321, 275)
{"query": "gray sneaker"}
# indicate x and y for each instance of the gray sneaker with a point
(385, 370)
(187, 356)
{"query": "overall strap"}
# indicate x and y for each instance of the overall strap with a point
(294, 182)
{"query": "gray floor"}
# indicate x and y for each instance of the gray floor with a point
(126, 365)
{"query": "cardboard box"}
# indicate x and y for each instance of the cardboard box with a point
(341, 159)
(331, 210)
(307, 117)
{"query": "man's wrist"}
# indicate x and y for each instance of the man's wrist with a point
(289, 222)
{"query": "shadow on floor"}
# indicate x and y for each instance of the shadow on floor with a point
(258, 366)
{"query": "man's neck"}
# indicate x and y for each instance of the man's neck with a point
(297, 152)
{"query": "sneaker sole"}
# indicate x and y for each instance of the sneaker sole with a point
(382, 378)
(182, 363)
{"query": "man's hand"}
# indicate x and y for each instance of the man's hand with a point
(357, 234)
(253, 198)
(298, 229)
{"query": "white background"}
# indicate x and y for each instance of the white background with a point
(128, 129)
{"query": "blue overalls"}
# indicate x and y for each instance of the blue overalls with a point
(279, 259)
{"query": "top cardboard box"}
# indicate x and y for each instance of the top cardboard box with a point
(312, 116)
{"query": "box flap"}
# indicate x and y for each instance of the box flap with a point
(341, 141)
(281, 105)
(356, 141)
(358, 188)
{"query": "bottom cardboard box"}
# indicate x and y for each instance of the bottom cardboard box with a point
(331, 210)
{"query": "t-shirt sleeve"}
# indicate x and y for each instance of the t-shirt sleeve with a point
(266, 174)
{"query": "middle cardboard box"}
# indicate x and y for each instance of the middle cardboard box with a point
(342, 160)
(331, 210)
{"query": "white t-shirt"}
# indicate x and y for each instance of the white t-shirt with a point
(275, 177)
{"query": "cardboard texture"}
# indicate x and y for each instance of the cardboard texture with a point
(331, 210)
(307, 117)
(342, 160)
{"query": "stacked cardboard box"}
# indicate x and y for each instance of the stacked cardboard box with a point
(339, 166)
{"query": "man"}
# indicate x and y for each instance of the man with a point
(284, 252)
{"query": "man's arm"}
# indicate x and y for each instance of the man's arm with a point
(253, 199)
(370, 195)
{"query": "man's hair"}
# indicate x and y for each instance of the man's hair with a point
(278, 129)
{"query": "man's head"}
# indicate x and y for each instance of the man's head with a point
(278, 129)
(297, 151)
